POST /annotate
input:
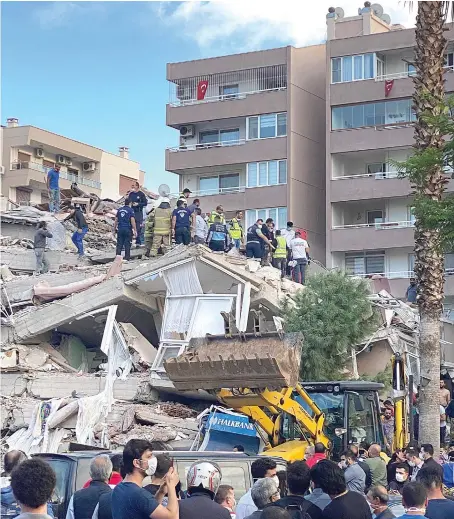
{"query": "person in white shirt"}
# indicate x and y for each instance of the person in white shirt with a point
(289, 234)
(442, 425)
(299, 249)
(201, 227)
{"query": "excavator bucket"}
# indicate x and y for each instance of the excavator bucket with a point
(218, 362)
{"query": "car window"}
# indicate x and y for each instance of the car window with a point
(61, 469)
(235, 474)
(83, 472)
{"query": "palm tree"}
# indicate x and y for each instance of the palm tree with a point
(428, 97)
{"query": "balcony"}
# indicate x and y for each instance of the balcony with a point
(219, 153)
(383, 235)
(33, 171)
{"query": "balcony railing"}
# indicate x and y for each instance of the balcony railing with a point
(377, 225)
(192, 147)
(404, 74)
(376, 176)
(210, 192)
(403, 274)
(228, 86)
(35, 166)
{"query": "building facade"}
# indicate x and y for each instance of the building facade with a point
(29, 152)
(369, 127)
(251, 135)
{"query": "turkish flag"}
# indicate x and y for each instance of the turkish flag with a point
(389, 83)
(202, 89)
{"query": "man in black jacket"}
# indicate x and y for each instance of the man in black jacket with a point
(82, 228)
(138, 202)
(298, 481)
(84, 501)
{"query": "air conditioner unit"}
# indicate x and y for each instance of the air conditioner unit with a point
(39, 152)
(61, 159)
(187, 131)
(68, 161)
(89, 166)
(183, 93)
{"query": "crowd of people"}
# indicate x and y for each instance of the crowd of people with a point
(361, 486)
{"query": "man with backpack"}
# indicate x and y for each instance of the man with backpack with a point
(298, 481)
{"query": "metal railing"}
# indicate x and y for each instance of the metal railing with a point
(402, 274)
(71, 177)
(192, 147)
(209, 192)
(376, 176)
(404, 74)
(377, 225)
(227, 86)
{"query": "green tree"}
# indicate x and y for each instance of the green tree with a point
(333, 313)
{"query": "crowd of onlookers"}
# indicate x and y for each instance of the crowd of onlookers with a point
(363, 485)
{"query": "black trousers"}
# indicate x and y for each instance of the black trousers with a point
(124, 238)
(138, 217)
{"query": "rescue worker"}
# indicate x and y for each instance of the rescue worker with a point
(236, 232)
(149, 228)
(162, 228)
(218, 236)
(126, 229)
(266, 249)
(255, 237)
(219, 212)
(138, 202)
(184, 195)
(280, 253)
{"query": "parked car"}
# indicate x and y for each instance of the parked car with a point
(73, 471)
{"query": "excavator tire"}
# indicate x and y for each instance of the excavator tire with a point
(220, 362)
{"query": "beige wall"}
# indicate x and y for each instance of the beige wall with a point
(306, 144)
(374, 361)
(111, 167)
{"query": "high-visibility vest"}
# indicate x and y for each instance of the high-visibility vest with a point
(213, 215)
(281, 249)
(162, 221)
(235, 231)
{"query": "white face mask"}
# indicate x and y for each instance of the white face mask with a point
(421, 456)
(414, 509)
(276, 480)
(411, 463)
(400, 478)
(152, 464)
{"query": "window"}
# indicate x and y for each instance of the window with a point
(411, 262)
(411, 215)
(374, 217)
(372, 114)
(377, 168)
(229, 91)
(362, 422)
(226, 137)
(278, 214)
(352, 68)
(449, 59)
(267, 126)
(411, 69)
(268, 173)
(370, 262)
(219, 184)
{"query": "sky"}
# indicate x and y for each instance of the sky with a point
(96, 71)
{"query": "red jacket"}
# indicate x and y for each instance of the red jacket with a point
(315, 459)
(115, 478)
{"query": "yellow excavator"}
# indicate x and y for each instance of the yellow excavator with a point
(257, 375)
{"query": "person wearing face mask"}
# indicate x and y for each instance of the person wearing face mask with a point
(400, 478)
(414, 461)
(378, 498)
(414, 499)
(225, 497)
(203, 481)
(264, 492)
(426, 454)
(130, 500)
(83, 502)
(355, 477)
(260, 468)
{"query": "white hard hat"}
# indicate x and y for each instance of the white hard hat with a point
(204, 474)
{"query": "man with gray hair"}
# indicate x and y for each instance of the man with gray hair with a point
(264, 493)
(84, 501)
(378, 498)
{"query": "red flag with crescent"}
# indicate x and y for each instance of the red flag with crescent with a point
(202, 89)
(389, 83)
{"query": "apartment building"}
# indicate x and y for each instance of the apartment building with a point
(29, 152)
(250, 135)
(369, 124)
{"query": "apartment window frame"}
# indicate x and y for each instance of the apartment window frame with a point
(383, 166)
(353, 60)
(219, 189)
(258, 119)
(277, 213)
(229, 95)
(411, 262)
(219, 140)
(367, 259)
(250, 165)
(375, 221)
(449, 59)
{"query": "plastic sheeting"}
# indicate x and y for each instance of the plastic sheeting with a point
(182, 280)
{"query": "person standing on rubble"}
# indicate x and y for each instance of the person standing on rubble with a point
(53, 187)
(149, 230)
(300, 250)
(412, 292)
(280, 253)
(236, 229)
(162, 228)
(77, 238)
(125, 227)
(218, 237)
(138, 202)
(181, 224)
(130, 500)
(254, 240)
(200, 230)
(39, 242)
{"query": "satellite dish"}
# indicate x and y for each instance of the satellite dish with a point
(164, 190)
(339, 11)
(377, 9)
(386, 18)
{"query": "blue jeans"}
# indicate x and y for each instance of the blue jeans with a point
(78, 240)
(299, 271)
(236, 243)
(182, 235)
(253, 250)
(54, 200)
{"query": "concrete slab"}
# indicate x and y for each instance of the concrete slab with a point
(24, 260)
(108, 256)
